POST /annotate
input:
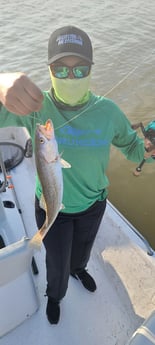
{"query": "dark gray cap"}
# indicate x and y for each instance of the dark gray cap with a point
(69, 40)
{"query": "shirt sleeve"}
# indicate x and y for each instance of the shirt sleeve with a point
(126, 139)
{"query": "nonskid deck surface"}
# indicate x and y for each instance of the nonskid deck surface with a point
(123, 271)
(124, 297)
(94, 318)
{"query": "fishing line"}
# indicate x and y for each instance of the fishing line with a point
(73, 118)
(127, 75)
(107, 93)
(77, 115)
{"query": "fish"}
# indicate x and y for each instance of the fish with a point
(49, 169)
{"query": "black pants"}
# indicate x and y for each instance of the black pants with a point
(68, 244)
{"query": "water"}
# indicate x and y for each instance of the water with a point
(123, 34)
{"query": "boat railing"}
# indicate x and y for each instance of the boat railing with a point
(148, 247)
(150, 251)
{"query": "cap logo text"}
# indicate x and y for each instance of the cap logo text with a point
(71, 38)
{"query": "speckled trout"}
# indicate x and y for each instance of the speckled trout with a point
(49, 169)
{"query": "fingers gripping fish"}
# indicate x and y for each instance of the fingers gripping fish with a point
(49, 168)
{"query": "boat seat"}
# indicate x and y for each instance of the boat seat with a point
(13, 154)
(145, 334)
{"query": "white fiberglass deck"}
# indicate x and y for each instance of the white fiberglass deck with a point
(125, 277)
(123, 271)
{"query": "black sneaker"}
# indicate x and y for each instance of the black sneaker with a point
(53, 311)
(86, 279)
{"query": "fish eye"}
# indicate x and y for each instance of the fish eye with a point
(42, 140)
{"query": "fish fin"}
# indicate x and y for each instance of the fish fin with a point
(64, 164)
(62, 207)
(36, 241)
(42, 202)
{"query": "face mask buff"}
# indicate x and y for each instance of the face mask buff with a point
(71, 91)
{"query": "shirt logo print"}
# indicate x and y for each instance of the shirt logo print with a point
(70, 136)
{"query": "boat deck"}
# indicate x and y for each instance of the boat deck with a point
(125, 295)
(124, 273)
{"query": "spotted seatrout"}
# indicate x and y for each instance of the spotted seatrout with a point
(49, 168)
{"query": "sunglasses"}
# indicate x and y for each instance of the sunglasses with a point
(62, 72)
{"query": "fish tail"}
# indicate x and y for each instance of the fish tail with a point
(36, 241)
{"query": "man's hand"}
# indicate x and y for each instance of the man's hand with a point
(150, 148)
(19, 94)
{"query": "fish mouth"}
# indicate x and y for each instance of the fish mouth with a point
(46, 130)
(49, 125)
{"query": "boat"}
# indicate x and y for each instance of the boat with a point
(120, 312)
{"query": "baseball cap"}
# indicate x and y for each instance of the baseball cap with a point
(69, 40)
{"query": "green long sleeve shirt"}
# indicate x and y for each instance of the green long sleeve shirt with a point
(84, 139)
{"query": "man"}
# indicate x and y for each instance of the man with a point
(85, 126)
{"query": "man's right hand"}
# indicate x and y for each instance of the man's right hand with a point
(19, 94)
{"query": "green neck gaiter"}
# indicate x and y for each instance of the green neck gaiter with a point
(71, 91)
